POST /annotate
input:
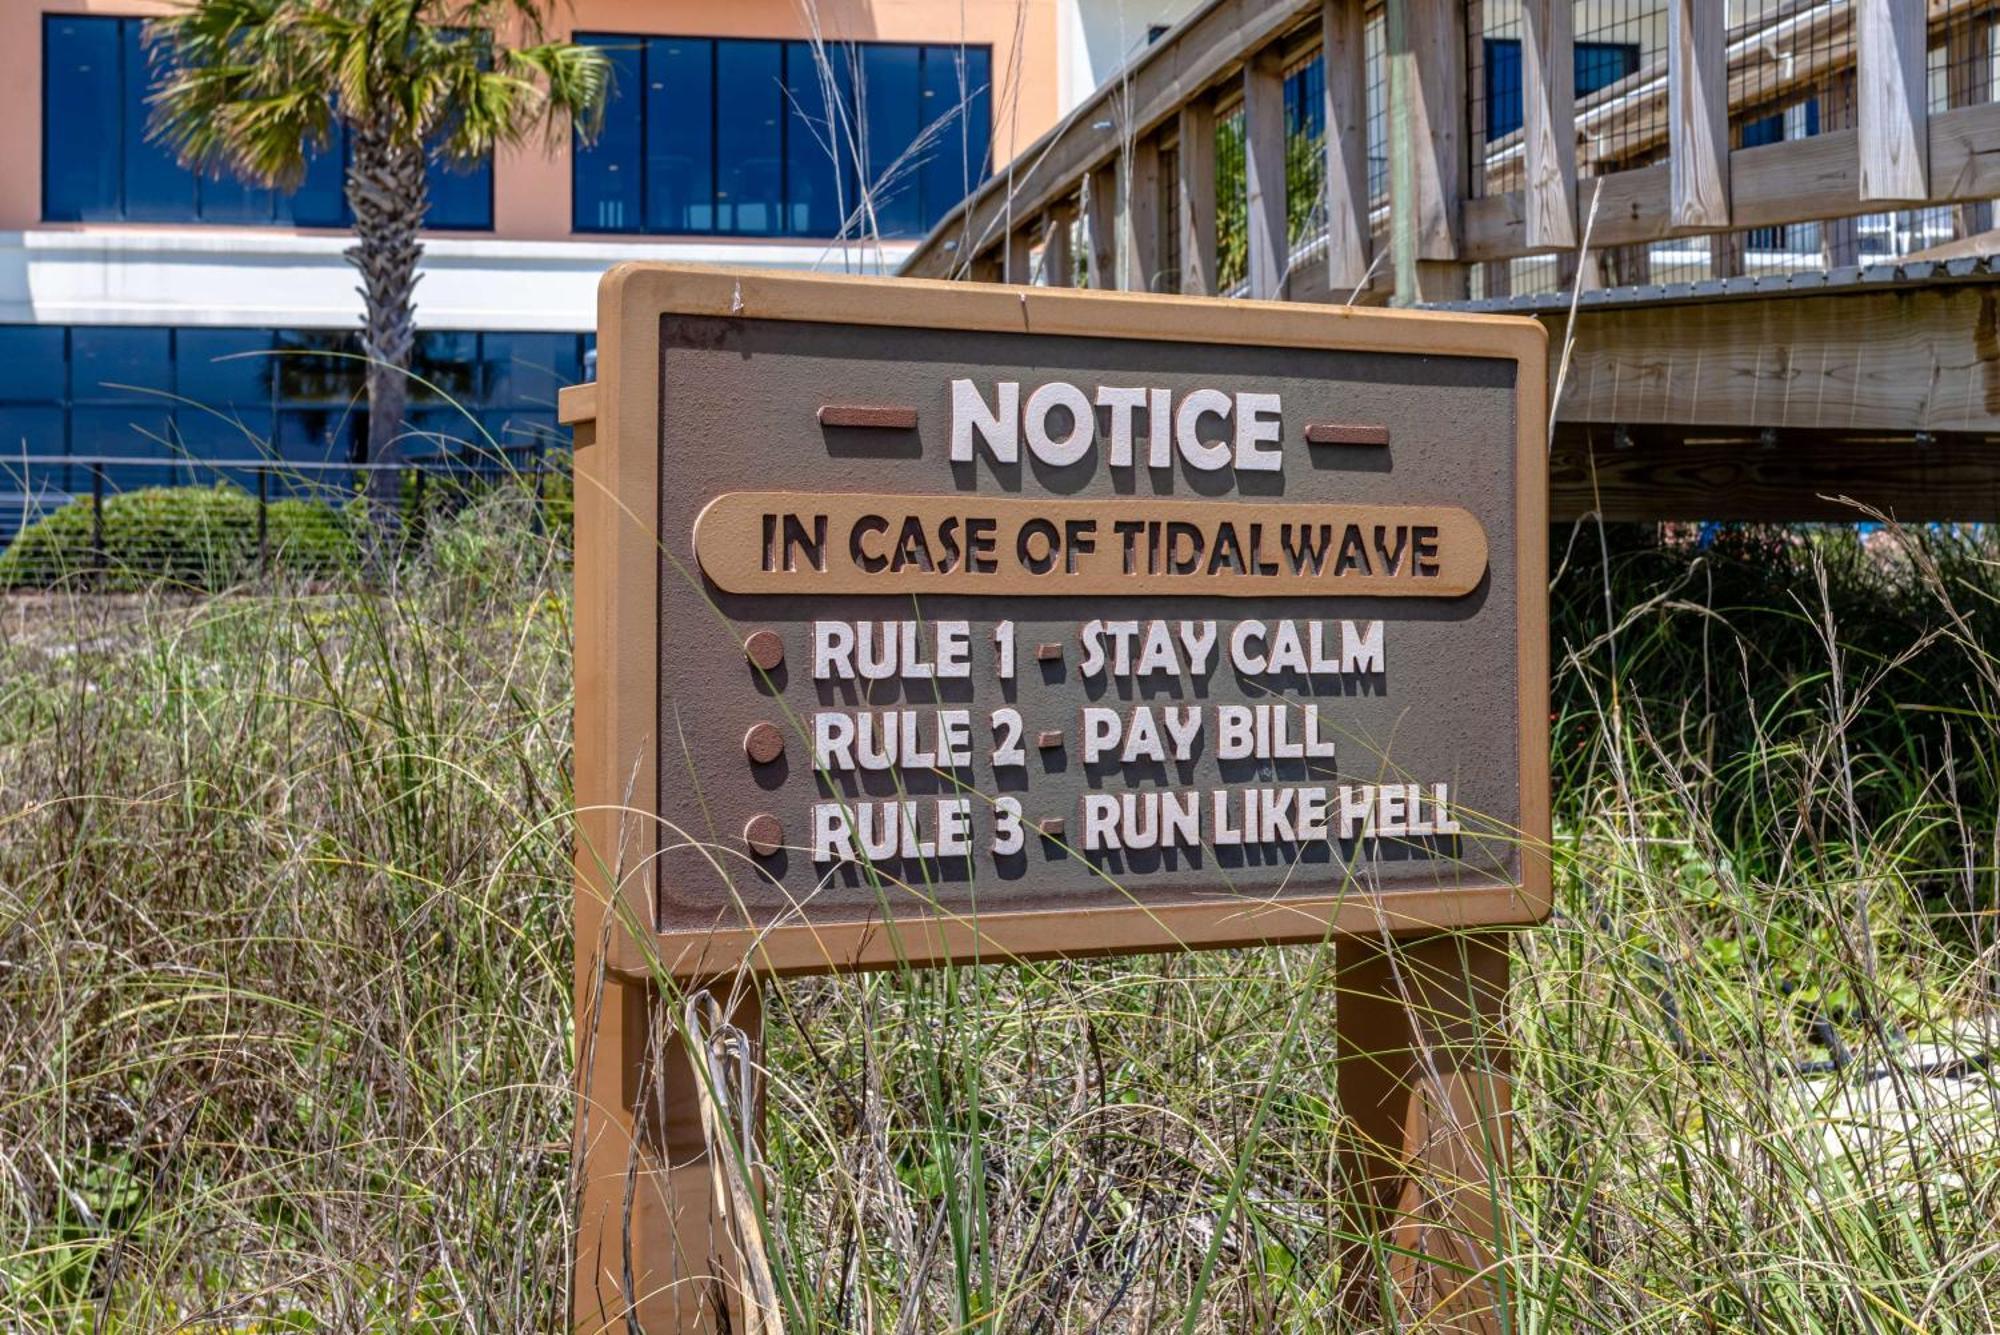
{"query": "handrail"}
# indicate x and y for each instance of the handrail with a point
(1476, 202)
(426, 463)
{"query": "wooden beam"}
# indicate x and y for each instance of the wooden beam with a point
(1580, 270)
(1790, 50)
(1018, 262)
(1342, 42)
(1548, 77)
(1194, 195)
(1473, 84)
(1802, 42)
(1839, 238)
(1204, 52)
(1432, 58)
(1423, 1074)
(1803, 180)
(1893, 96)
(1876, 362)
(1653, 475)
(1697, 115)
(1770, 408)
(1725, 255)
(1058, 261)
(1264, 172)
(1968, 55)
(1100, 206)
(1139, 215)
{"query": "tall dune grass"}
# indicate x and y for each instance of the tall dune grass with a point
(285, 1034)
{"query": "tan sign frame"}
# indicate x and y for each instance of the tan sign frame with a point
(619, 554)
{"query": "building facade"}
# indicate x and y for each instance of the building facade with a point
(148, 312)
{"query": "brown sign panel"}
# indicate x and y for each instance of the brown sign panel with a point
(925, 622)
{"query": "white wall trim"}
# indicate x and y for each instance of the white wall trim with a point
(237, 276)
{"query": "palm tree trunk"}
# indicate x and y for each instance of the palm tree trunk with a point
(386, 191)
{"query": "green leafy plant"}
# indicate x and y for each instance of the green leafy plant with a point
(198, 537)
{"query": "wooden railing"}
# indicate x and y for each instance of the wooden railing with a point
(1652, 157)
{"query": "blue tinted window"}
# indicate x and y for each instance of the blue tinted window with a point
(101, 164)
(605, 173)
(445, 367)
(1305, 100)
(527, 369)
(27, 430)
(227, 433)
(224, 369)
(174, 398)
(891, 105)
(461, 194)
(819, 125)
(134, 431)
(31, 363)
(156, 186)
(1601, 64)
(1503, 86)
(680, 134)
(224, 199)
(1598, 65)
(317, 435)
(115, 364)
(317, 365)
(520, 429)
(761, 138)
(957, 93)
(749, 138)
(81, 105)
(321, 197)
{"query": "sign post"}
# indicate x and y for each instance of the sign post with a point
(919, 623)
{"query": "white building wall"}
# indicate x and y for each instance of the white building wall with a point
(1096, 37)
(212, 276)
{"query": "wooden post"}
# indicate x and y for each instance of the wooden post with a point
(1346, 55)
(1019, 256)
(1264, 172)
(1425, 1098)
(1139, 215)
(989, 267)
(653, 1243)
(1839, 238)
(1697, 116)
(1472, 86)
(1194, 195)
(1548, 87)
(1058, 262)
(1968, 55)
(1725, 255)
(1634, 265)
(1893, 101)
(1579, 270)
(1425, 47)
(1100, 203)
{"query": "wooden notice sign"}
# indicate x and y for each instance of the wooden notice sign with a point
(922, 622)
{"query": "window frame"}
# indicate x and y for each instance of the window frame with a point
(1632, 52)
(640, 42)
(122, 215)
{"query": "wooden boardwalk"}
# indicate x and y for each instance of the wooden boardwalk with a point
(1775, 236)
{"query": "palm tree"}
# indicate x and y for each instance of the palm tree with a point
(254, 87)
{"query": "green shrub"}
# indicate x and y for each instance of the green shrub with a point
(202, 537)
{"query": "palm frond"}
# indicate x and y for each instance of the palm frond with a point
(255, 86)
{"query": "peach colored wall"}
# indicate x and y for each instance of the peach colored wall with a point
(531, 198)
(21, 97)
